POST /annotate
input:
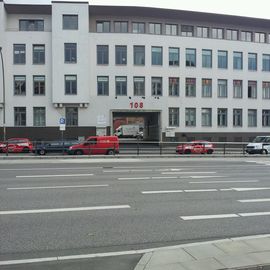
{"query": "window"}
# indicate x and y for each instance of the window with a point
(222, 59)
(173, 56)
(232, 34)
(252, 61)
(187, 30)
(259, 37)
(31, 25)
(266, 62)
(156, 86)
(206, 117)
(190, 117)
(222, 117)
(202, 32)
(266, 90)
(252, 118)
(173, 117)
(218, 33)
(173, 86)
(206, 88)
(237, 60)
(39, 115)
(70, 52)
(190, 57)
(103, 86)
(103, 27)
(222, 88)
(190, 87)
(19, 116)
(120, 55)
(38, 54)
(157, 56)
(70, 22)
(120, 86)
(171, 29)
(138, 28)
(120, 27)
(237, 117)
(139, 86)
(207, 58)
(19, 53)
(246, 36)
(155, 28)
(266, 118)
(237, 89)
(102, 54)
(70, 85)
(72, 116)
(39, 85)
(252, 89)
(139, 55)
(19, 85)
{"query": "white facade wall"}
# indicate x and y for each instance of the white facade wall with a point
(87, 71)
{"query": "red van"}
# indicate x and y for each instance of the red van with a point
(96, 145)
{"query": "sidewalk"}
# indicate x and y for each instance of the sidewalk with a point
(250, 253)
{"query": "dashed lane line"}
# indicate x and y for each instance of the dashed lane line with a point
(56, 187)
(54, 175)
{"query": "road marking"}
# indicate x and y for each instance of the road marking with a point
(57, 210)
(53, 175)
(250, 189)
(57, 187)
(225, 189)
(51, 168)
(186, 172)
(219, 182)
(254, 200)
(208, 217)
(161, 191)
(254, 214)
(133, 178)
(127, 252)
(200, 190)
(164, 177)
(206, 176)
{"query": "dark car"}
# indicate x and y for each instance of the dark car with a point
(53, 147)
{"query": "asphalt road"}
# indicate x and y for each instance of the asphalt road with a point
(60, 208)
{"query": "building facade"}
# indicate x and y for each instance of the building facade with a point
(182, 75)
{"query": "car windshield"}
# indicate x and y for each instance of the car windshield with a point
(259, 139)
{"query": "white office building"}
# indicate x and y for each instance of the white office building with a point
(180, 74)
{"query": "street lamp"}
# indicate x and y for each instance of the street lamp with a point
(4, 96)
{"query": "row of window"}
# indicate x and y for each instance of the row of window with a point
(156, 86)
(70, 56)
(71, 114)
(222, 117)
(70, 22)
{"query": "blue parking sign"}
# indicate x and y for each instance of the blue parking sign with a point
(62, 121)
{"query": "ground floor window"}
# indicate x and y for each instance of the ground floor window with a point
(39, 114)
(20, 116)
(71, 116)
(173, 117)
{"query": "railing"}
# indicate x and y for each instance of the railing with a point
(125, 148)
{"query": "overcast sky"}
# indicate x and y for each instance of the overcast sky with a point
(249, 8)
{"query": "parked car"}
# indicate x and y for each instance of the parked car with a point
(17, 145)
(53, 147)
(195, 147)
(96, 145)
(260, 145)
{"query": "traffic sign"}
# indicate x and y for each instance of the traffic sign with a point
(62, 121)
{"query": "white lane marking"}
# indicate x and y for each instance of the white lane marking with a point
(161, 191)
(127, 252)
(164, 177)
(133, 178)
(254, 214)
(206, 176)
(56, 210)
(250, 189)
(200, 190)
(187, 172)
(208, 217)
(53, 175)
(56, 187)
(225, 189)
(219, 182)
(254, 200)
(51, 168)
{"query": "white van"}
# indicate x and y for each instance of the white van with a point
(260, 145)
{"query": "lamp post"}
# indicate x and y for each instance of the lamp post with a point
(4, 96)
